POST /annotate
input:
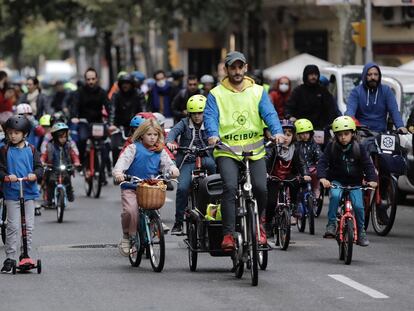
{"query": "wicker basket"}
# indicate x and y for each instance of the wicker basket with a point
(151, 197)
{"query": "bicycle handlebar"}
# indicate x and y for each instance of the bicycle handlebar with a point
(362, 187)
(194, 149)
(136, 180)
(7, 179)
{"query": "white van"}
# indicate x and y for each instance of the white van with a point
(344, 78)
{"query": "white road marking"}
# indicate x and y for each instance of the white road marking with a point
(358, 286)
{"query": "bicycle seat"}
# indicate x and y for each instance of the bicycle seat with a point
(210, 190)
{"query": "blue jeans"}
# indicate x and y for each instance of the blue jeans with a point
(184, 184)
(357, 205)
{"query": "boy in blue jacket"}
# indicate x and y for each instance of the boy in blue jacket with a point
(191, 132)
(18, 159)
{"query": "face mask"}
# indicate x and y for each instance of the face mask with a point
(161, 83)
(283, 87)
(2, 135)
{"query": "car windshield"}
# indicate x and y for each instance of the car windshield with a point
(349, 81)
(407, 105)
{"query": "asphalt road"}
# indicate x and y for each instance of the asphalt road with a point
(308, 276)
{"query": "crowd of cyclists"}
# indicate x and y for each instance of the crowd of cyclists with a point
(239, 112)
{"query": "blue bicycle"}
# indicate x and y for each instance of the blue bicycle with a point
(307, 206)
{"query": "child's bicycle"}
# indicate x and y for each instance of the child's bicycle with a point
(306, 208)
(25, 262)
(60, 199)
(346, 227)
(150, 234)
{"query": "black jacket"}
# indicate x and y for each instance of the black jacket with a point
(179, 104)
(126, 105)
(298, 166)
(345, 165)
(313, 102)
(310, 152)
(88, 103)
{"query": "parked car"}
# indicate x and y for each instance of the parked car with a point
(342, 79)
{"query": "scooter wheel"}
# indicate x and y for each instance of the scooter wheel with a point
(14, 267)
(39, 266)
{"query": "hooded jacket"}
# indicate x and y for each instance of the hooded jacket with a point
(280, 99)
(312, 101)
(372, 106)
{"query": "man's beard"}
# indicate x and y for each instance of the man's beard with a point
(233, 80)
(372, 84)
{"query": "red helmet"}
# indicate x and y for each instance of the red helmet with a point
(357, 123)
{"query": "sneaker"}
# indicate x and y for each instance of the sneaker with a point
(124, 246)
(165, 228)
(7, 266)
(330, 231)
(263, 238)
(362, 239)
(177, 229)
(228, 243)
(71, 196)
(37, 211)
(293, 221)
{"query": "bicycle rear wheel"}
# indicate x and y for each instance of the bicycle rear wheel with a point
(135, 251)
(284, 229)
(383, 215)
(97, 176)
(319, 202)
(263, 259)
(60, 205)
(301, 221)
(87, 175)
(157, 243)
(192, 248)
(348, 241)
(311, 204)
(252, 242)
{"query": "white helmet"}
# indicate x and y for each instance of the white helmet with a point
(159, 117)
(207, 79)
(23, 108)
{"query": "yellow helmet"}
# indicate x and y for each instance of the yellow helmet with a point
(196, 103)
(303, 126)
(343, 123)
(45, 120)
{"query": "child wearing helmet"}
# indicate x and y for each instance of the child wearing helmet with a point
(285, 163)
(192, 134)
(309, 150)
(346, 162)
(60, 150)
(35, 129)
(18, 159)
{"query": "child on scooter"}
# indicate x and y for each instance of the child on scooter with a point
(145, 158)
(18, 159)
(192, 134)
(285, 164)
(346, 162)
(60, 150)
(309, 150)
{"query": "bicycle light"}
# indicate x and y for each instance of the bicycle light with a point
(247, 187)
(63, 167)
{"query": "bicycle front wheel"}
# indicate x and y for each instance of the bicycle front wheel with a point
(135, 251)
(383, 214)
(253, 249)
(157, 243)
(284, 229)
(60, 205)
(97, 176)
(348, 241)
(311, 204)
(87, 175)
(4, 221)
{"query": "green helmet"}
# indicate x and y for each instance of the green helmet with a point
(45, 120)
(121, 73)
(59, 127)
(196, 103)
(303, 126)
(343, 123)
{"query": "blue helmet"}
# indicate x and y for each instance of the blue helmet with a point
(138, 75)
(287, 124)
(136, 121)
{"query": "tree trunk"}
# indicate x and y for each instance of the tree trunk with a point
(149, 63)
(108, 55)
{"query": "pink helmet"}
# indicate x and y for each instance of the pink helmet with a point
(23, 108)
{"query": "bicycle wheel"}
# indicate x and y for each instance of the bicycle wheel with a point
(157, 243)
(192, 248)
(253, 245)
(284, 229)
(319, 202)
(301, 221)
(348, 241)
(87, 176)
(60, 205)
(135, 251)
(97, 176)
(383, 215)
(263, 259)
(311, 204)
